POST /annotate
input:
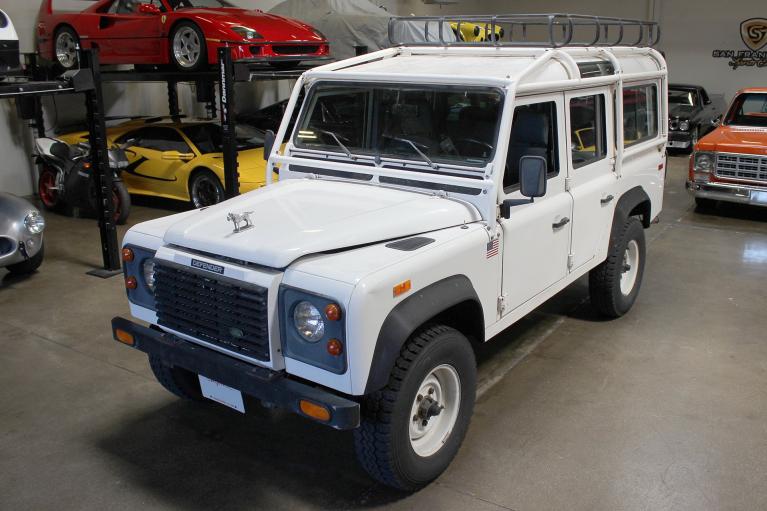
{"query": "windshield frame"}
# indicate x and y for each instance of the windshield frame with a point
(406, 162)
(224, 5)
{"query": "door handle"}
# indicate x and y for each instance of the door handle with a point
(561, 223)
(606, 200)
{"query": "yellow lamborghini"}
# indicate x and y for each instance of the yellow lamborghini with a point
(476, 33)
(183, 160)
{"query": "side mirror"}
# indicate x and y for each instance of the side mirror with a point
(532, 182)
(532, 176)
(268, 143)
(149, 9)
(177, 156)
(716, 121)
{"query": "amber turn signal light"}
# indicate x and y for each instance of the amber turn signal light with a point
(335, 347)
(314, 410)
(333, 312)
(402, 288)
(131, 283)
(128, 255)
(124, 337)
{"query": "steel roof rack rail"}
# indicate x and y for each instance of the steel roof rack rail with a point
(553, 30)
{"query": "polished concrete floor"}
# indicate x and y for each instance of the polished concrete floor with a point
(665, 408)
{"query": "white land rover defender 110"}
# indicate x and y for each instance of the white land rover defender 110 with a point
(430, 195)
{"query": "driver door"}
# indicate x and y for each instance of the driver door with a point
(149, 168)
(124, 34)
(536, 237)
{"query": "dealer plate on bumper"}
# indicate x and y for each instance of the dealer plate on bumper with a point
(759, 197)
(678, 144)
(221, 393)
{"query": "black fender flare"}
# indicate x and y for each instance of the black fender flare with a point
(626, 204)
(410, 314)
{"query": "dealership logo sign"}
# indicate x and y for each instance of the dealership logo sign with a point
(753, 31)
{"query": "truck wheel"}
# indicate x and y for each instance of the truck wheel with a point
(412, 428)
(176, 380)
(30, 265)
(614, 284)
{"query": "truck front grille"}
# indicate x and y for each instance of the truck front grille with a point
(226, 312)
(741, 166)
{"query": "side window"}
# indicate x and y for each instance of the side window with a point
(131, 135)
(640, 114)
(533, 133)
(704, 97)
(588, 129)
(162, 139)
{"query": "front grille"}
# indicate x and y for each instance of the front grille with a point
(226, 312)
(295, 49)
(741, 166)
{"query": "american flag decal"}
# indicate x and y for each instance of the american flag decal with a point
(492, 248)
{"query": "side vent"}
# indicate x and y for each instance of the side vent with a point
(410, 244)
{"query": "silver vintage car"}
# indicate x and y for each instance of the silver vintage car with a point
(21, 234)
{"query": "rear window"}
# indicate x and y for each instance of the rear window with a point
(748, 109)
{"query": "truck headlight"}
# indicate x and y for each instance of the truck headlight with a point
(307, 320)
(684, 125)
(312, 329)
(149, 277)
(34, 222)
(704, 162)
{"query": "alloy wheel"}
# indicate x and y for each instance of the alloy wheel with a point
(187, 47)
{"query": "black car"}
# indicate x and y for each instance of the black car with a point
(691, 114)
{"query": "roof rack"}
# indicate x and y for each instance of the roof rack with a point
(549, 30)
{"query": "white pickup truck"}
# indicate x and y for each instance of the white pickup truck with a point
(429, 196)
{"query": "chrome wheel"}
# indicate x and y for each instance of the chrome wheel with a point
(187, 47)
(434, 410)
(630, 267)
(66, 49)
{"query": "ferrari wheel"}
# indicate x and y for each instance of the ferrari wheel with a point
(205, 189)
(187, 47)
(66, 43)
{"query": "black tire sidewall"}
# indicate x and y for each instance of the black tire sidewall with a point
(202, 61)
(633, 231)
(199, 175)
(125, 203)
(451, 348)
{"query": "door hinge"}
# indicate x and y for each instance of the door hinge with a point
(570, 259)
(501, 304)
(568, 184)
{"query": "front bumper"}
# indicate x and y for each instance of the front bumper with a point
(679, 139)
(741, 194)
(13, 251)
(261, 52)
(272, 388)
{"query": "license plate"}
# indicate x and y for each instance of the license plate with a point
(680, 145)
(759, 197)
(221, 393)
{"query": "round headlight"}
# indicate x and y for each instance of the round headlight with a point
(308, 321)
(704, 162)
(34, 222)
(684, 125)
(149, 276)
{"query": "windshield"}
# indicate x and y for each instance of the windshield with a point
(749, 110)
(684, 97)
(438, 124)
(185, 4)
(208, 139)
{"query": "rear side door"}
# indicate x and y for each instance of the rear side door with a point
(128, 36)
(536, 237)
(591, 170)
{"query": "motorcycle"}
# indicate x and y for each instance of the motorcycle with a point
(67, 181)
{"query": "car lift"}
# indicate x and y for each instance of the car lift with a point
(89, 79)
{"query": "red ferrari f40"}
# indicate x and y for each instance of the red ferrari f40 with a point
(182, 33)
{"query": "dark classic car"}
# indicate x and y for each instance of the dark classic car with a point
(691, 114)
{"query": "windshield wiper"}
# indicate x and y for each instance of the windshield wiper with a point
(340, 144)
(415, 147)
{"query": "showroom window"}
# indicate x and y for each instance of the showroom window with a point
(588, 133)
(640, 114)
(533, 133)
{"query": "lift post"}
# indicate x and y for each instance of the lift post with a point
(228, 123)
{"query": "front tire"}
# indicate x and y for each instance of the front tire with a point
(614, 284)
(188, 51)
(412, 429)
(205, 189)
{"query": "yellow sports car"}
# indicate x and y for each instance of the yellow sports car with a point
(476, 33)
(183, 160)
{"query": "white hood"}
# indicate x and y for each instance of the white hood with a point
(297, 217)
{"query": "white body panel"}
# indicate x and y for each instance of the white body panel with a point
(8, 32)
(327, 235)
